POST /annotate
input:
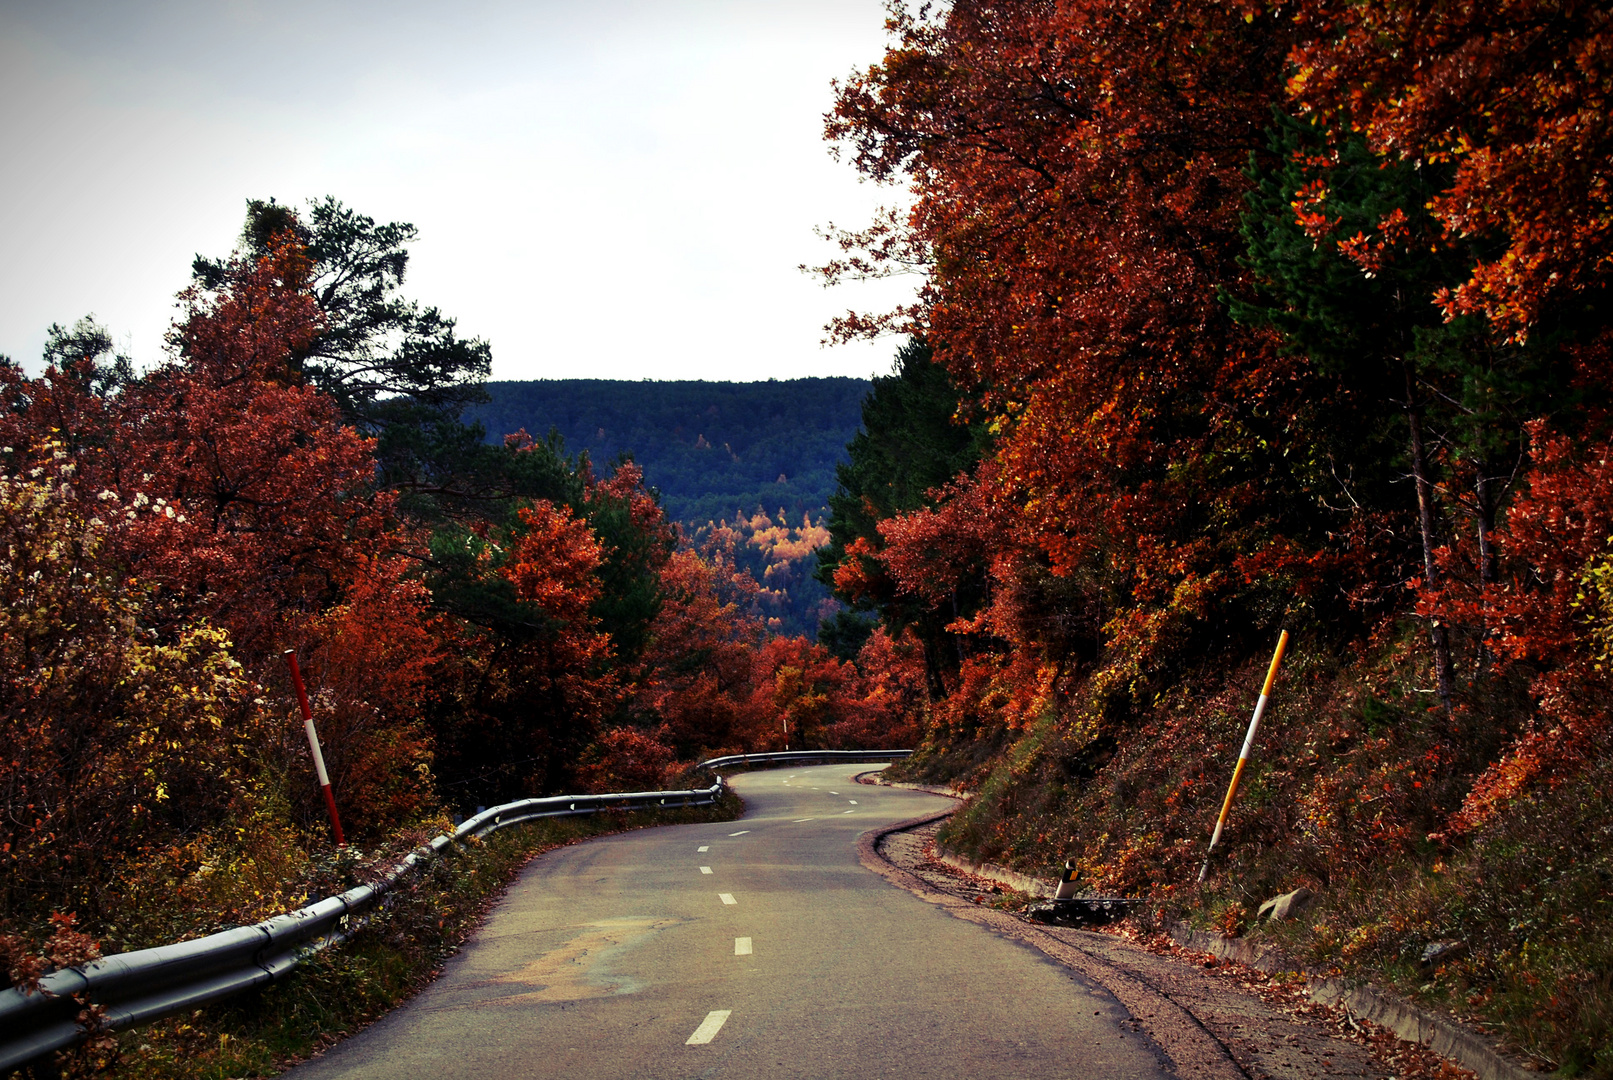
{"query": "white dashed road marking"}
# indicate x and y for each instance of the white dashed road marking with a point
(741, 832)
(705, 869)
(742, 946)
(852, 801)
(705, 848)
(727, 898)
(848, 811)
(709, 1027)
(834, 792)
(798, 820)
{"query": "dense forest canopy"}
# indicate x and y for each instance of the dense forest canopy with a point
(709, 448)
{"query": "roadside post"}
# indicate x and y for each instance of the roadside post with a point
(1248, 747)
(313, 744)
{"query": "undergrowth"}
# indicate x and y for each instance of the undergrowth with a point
(336, 991)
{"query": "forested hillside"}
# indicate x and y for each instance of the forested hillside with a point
(709, 448)
(475, 621)
(748, 466)
(1240, 318)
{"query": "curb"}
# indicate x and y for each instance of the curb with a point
(1001, 874)
(949, 792)
(1444, 1036)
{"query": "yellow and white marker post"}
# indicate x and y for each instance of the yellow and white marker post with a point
(1248, 747)
(1067, 886)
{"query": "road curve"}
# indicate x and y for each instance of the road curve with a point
(743, 950)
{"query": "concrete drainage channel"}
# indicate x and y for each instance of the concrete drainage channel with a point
(1445, 1037)
(1195, 1049)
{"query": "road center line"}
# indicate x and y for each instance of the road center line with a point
(798, 820)
(741, 832)
(742, 946)
(848, 811)
(705, 847)
(834, 792)
(852, 801)
(705, 869)
(709, 1027)
(727, 898)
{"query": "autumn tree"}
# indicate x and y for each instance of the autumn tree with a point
(699, 664)
(1511, 98)
(234, 492)
(96, 704)
(1076, 173)
(1347, 261)
(911, 445)
(398, 371)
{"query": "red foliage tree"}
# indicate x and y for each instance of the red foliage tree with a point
(698, 668)
(234, 493)
(1516, 94)
(1550, 615)
(1077, 171)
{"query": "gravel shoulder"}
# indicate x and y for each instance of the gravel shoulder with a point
(1214, 1019)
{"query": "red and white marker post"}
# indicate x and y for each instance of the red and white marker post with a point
(313, 744)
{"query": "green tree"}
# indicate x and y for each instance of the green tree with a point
(86, 348)
(911, 443)
(1347, 262)
(398, 370)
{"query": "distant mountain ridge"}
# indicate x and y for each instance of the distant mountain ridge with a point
(710, 448)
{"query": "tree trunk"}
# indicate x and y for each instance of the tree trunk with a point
(1437, 633)
(1486, 519)
(1488, 571)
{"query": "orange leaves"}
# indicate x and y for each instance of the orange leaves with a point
(927, 552)
(370, 661)
(852, 576)
(260, 325)
(1546, 616)
(625, 759)
(1516, 96)
(717, 685)
(1309, 213)
(553, 563)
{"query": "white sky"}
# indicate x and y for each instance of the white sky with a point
(603, 188)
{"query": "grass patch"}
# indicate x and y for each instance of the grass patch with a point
(339, 990)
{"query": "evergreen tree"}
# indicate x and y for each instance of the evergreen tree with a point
(1347, 263)
(911, 443)
(398, 371)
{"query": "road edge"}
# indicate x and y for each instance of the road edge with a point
(1446, 1037)
(1190, 1050)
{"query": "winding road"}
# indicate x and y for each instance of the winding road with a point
(754, 949)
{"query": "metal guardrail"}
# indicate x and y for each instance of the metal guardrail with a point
(803, 757)
(136, 987)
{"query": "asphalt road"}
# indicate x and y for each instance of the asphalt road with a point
(743, 950)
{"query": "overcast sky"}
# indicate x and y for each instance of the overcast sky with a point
(603, 188)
